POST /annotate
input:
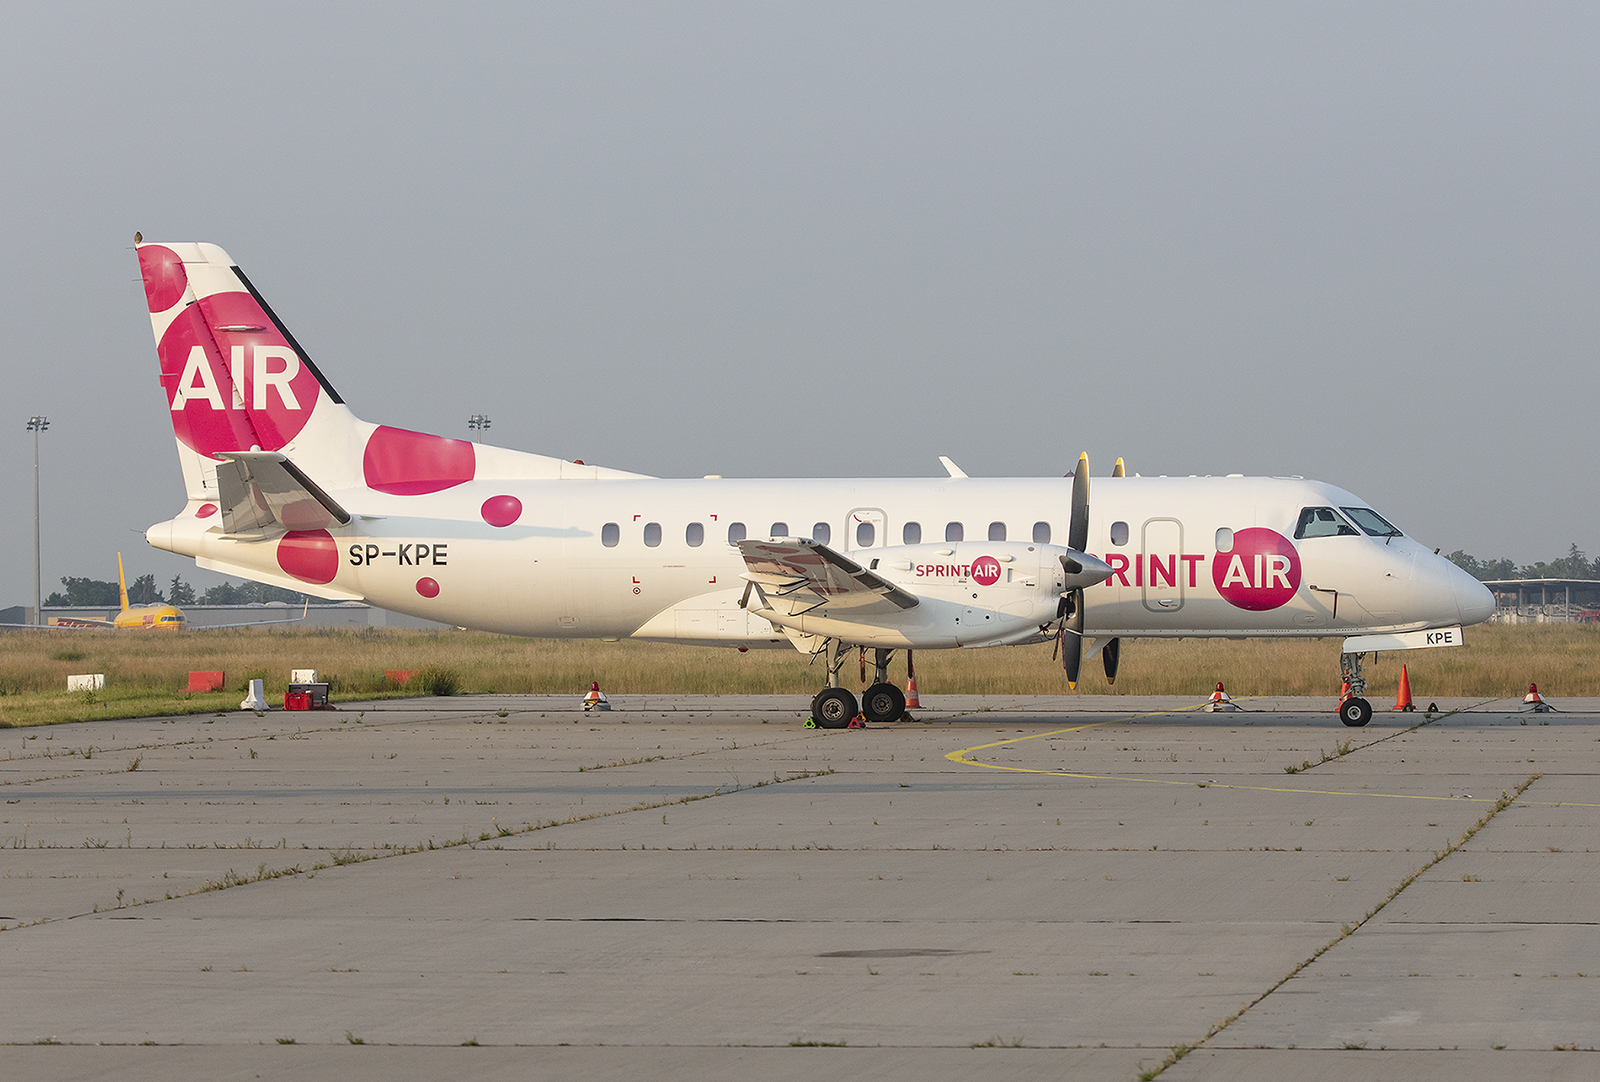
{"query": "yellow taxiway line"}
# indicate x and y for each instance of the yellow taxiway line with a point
(961, 757)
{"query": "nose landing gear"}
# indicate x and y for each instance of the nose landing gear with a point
(1354, 710)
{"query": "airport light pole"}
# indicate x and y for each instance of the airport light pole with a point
(36, 425)
(479, 423)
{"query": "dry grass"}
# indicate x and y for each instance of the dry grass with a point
(145, 671)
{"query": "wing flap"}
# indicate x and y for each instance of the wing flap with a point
(808, 576)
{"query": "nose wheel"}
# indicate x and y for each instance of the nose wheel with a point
(1355, 711)
(883, 703)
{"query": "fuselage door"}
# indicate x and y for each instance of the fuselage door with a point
(868, 528)
(1164, 570)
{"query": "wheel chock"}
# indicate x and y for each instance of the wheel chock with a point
(856, 723)
(811, 723)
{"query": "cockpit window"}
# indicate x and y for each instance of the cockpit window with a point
(1323, 522)
(1374, 524)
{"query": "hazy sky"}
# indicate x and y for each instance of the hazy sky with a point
(1355, 242)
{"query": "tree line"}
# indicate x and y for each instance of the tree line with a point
(1574, 565)
(144, 591)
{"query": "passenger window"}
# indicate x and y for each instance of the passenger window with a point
(610, 534)
(779, 529)
(911, 534)
(1224, 540)
(822, 533)
(695, 534)
(735, 532)
(1119, 533)
(997, 531)
(954, 532)
(1322, 522)
(652, 534)
(1041, 533)
(866, 532)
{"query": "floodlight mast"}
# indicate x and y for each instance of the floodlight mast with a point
(479, 423)
(36, 425)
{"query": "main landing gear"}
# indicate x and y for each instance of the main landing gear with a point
(833, 707)
(1354, 710)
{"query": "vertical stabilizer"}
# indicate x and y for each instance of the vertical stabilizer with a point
(122, 584)
(235, 377)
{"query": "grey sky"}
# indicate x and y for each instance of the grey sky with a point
(1353, 242)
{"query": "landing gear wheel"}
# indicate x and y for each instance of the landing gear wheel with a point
(833, 708)
(883, 702)
(1355, 711)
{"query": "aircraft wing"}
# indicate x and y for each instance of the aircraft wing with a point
(254, 623)
(68, 623)
(797, 575)
(261, 490)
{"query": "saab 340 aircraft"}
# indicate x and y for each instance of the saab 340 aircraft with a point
(287, 486)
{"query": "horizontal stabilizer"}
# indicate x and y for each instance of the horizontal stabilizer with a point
(263, 490)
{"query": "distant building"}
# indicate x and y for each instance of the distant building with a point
(1545, 601)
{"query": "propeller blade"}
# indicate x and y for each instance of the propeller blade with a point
(1072, 640)
(1078, 529)
(1109, 655)
(1119, 470)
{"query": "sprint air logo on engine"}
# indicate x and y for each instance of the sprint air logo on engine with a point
(985, 571)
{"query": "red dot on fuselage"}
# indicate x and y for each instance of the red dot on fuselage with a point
(206, 510)
(501, 510)
(428, 587)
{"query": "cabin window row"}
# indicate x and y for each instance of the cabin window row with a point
(694, 534)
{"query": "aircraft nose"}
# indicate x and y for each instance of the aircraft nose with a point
(1474, 600)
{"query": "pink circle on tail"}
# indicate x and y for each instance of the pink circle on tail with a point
(309, 555)
(428, 587)
(164, 276)
(405, 463)
(501, 510)
(206, 510)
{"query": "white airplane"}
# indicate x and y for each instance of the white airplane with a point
(285, 485)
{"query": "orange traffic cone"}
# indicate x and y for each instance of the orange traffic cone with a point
(1344, 691)
(1402, 699)
(912, 702)
(596, 699)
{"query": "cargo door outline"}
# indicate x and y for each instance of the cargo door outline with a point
(1161, 541)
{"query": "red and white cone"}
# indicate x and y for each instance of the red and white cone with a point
(1534, 701)
(596, 699)
(1220, 700)
(912, 702)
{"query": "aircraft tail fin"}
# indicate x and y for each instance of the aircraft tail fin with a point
(237, 381)
(234, 375)
(122, 584)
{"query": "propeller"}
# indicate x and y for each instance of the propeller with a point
(1109, 655)
(1071, 608)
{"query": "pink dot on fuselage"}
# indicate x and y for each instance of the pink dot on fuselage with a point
(428, 587)
(164, 276)
(309, 555)
(501, 510)
(206, 510)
